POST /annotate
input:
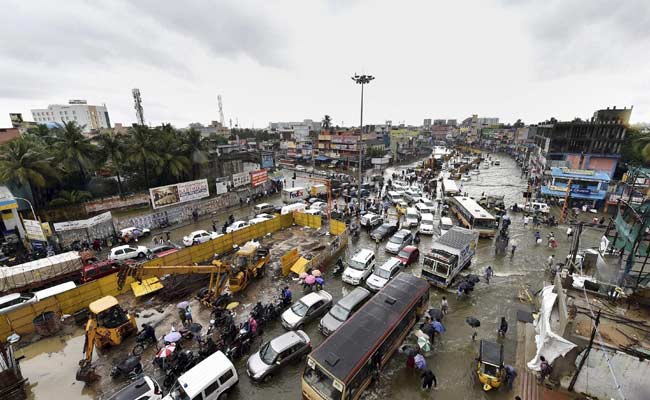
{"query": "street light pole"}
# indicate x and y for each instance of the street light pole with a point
(361, 80)
(30, 205)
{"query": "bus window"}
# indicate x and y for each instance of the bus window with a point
(321, 382)
(358, 380)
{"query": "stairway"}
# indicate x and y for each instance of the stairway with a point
(526, 385)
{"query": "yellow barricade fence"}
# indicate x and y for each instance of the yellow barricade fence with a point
(20, 320)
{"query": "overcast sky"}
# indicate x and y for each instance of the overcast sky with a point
(290, 60)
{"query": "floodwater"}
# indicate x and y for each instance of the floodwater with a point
(51, 364)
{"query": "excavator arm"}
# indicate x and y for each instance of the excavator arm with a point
(86, 371)
(140, 272)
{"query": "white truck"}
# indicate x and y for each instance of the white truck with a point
(449, 255)
(294, 195)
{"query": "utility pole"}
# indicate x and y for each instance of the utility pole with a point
(584, 358)
(361, 80)
(566, 200)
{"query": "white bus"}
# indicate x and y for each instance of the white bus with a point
(449, 187)
(472, 216)
(293, 195)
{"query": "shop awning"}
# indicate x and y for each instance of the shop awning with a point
(322, 158)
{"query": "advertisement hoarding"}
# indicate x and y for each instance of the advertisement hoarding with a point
(34, 230)
(241, 179)
(169, 195)
(222, 187)
(83, 223)
(259, 177)
(267, 160)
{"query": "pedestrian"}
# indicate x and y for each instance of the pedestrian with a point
(149, 332)
(503, 327)
(512, 250)
(511, 374)
(410, 357)
(252, 325)
(181, 316)
(444, 305)
(538, 238)
(545, 369)
(459, 292)
(215, 226)
(569, 233)
(526, 219)
(420, 361)
(488, 273)
(428, 378)
(188, 315)
(550, 261)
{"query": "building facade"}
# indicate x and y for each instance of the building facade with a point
(89, 117)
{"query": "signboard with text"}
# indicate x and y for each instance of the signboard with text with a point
(164, 196)
(267, 160)
(83, 223)
(34, 230)
(241, 179)
(259, 177)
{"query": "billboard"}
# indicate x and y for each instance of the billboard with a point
(241, 179)
(267, 160)
(222, 187)
(169, 195)
(259, 177)
(83, 223)
(34, 230)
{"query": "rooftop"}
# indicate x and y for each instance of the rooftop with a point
(579, 174)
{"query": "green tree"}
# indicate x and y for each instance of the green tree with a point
(141, 143)
(195, 148)
(23, 162)
(170, 154)
(65, 197)
(75, 151)
(112, 149)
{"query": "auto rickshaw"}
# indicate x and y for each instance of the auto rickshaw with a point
(490, 369)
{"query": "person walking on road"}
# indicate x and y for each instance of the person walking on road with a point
(444, 305)
(545, 369)
(511, 374)
(526, 219)
(503, 327)
(488, 273)
(569, 233)
(551, 260)
(428, 378)
(188, 315)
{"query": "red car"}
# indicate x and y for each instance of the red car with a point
(408, 255)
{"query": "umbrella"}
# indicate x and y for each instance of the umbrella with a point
(463, 286)
(473, 322)
(172, 337)
(438, 326)
(310, 279)
(166, 351)
(183, 304)
(303, 275)
(423, 344)
(320, 280)
(195, 327)
(420, 362)
(232, 305)
(435, 313)
(316, 273)
(473, 278)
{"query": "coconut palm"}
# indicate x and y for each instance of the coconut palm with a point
(195, 148)
(113, 151)
(65, 197)
(171, 154)
(73, 149)
(141, 143)
(24, 162)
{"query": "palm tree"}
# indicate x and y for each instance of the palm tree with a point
(40, 132)
(327, 122)
(73, 149)
(73, 197)
(196, 149)
(113, 150)
(23, 164)
(170, 150)
(141, 141)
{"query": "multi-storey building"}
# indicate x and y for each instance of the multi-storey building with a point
(89, 117)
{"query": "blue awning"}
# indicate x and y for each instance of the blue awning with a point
(322, 158)
(599, 195)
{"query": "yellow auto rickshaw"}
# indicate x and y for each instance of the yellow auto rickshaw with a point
(490, 369)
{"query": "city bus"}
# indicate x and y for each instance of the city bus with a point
(449, 188)
(342, 367)
(473, 216)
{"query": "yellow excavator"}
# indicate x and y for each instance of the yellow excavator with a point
(249, 262)
(108, 324)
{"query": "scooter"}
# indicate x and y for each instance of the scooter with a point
(241, 345)
(130, 368)
(338, 267)
(141, 342)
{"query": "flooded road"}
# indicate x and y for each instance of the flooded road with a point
(452, 357)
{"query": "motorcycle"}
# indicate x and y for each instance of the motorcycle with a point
(182, 362)
(141, 342)
(241, 345)
(338, 267)
(130, 368)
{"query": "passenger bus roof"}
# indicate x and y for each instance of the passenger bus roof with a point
(359, 336)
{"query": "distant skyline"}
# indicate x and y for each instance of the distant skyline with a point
(290, 60)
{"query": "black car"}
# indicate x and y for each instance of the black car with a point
(385, 230)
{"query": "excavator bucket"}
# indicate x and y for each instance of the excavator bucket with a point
(147, 286)
(300, 265)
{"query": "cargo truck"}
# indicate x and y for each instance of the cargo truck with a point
(449, 255)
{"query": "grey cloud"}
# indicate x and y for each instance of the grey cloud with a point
(225, 28)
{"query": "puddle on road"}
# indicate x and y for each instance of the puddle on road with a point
(51, 364)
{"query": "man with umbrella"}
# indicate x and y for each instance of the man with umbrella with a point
(474, 323)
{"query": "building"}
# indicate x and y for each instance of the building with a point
(586, 185)
(344, 146)
(472, 127)
(214, 128)
(593, 144)
(8, 134)
(89, 117)
(439, 122)
(427, 123)
(299, 130)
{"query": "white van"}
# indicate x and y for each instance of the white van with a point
(445, 224)
(412, 217)
(394, 197)
(359, 267)
(300, 207)
(264, 208)
(207, 380)
(293, 195)
(426, 224)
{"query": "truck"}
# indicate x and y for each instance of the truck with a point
(318, 190)
(449, 255)
(293, 195)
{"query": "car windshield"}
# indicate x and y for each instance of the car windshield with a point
(398, 239)
(339, 313)
(383, 273)
(357, 265)
(267, 354)
(404, 253)
(300, 309)
(411, 216)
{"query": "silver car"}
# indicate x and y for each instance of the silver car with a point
(308, 308)
(276, 353)
(399, 240)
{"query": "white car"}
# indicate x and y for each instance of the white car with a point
(318, 205)
(199, 237)
(412, 217)
(307, 309)
(427, 224)
(359, 267)
(143, 387)
(264, 216)
(237, 225)
(371, 219)
(134, 232)
(300, 168)
(425, 206)
(127, 252)
(260, 218)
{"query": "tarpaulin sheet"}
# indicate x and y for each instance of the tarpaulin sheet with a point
(15, 277)
(549, 344)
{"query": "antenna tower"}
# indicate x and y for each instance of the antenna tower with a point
(139, 111)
